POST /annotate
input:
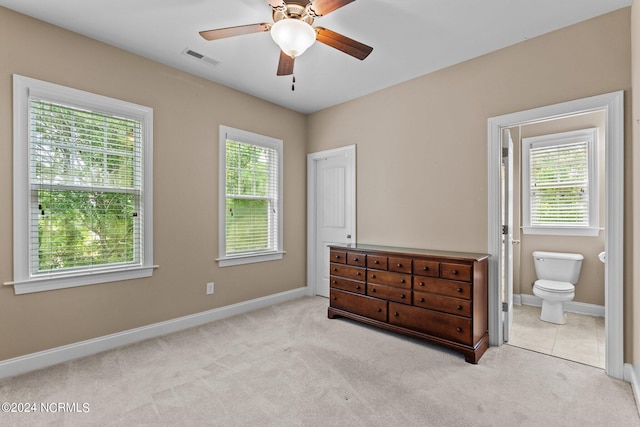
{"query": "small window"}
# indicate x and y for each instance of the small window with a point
(250, 197)
(82, 195)
(560, 184)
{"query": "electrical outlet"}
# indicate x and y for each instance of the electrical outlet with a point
(210, 288)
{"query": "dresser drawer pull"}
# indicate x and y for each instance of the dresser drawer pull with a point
(335, 298)
(335, 269)
(355, 258)
(458, 329)
(459, 307)
(395, 313)
(373, 289)
(402, 296)
(379, 310)
(421, 283)
(421, 299)
(357, 286)
(376, 262)
(402, 281)
(454, 272)
(334, 282)
(460, 290)
(357, 273)
(337, 256)
(425, 268)
(398, 265)
(373, 276)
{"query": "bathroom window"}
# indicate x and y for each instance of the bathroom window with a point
(250, 197)
(82, 188)
(560, 184)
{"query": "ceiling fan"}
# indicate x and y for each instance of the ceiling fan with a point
(292, 30)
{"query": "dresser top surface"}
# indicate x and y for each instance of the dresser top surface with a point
(393, 250)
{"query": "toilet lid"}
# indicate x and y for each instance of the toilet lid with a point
(554, 286)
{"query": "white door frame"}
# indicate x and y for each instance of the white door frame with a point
(613, 105)
(312, 159)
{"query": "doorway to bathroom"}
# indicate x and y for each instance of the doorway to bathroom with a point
(554, 176)
(510, 255)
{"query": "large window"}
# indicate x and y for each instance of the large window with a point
(82, 196)
(250, 197)
(560, 183)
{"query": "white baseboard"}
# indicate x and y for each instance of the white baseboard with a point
(632, 376)
(571, 306)
(31, 362)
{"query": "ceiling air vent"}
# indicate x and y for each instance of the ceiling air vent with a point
(200, 57)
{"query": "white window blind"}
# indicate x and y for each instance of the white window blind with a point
(252, 198)
(251, 218)
(560, 186)
(86, 176)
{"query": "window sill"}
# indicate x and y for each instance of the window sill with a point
(562, 231)
(249, 258)
(63, 281)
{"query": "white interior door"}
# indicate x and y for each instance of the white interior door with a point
(507, 234)
(334, 209)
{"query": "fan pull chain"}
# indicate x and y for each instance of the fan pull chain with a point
(293, 83)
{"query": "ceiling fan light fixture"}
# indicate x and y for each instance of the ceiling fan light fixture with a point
(293, 36)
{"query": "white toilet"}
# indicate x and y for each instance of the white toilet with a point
(557, 273)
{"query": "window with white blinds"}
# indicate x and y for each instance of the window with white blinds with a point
(560, 184)
(251, 210)
(85, 157)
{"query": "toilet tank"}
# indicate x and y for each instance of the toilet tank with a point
(558, 266)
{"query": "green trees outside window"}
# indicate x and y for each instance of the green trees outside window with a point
(85, 187)
(560, 185)
(250, 197)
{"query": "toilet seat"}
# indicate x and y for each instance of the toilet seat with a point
(554, 286)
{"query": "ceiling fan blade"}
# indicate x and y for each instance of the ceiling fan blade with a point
(343, 43)
(324, 7)
(276, 3)
(285, 65)
(223, 33)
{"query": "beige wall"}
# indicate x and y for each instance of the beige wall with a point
(632, 300)
(590, 288)
(422, 145)
(187, 114)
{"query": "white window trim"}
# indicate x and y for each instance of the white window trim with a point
(23, 280)
(591, 136)
(249, 138)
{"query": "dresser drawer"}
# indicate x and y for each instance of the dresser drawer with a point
(455, 271)
(400, 264)
(347, 285)
(355, 273)
(389, 293)
(443, 287)
(338, 256)
(356, 258)
(461, 307)
(378, 262)
(426, 268)
(387, 278)
(365, 306)
(447, 326)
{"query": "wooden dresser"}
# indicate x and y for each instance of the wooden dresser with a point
(437, 296)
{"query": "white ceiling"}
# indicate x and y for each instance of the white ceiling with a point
(410, 38)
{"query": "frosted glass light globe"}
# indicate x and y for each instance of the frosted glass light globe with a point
(293, 36)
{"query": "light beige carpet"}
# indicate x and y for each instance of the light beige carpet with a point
(288, 365)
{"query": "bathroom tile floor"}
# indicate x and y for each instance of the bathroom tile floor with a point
(580, 340)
